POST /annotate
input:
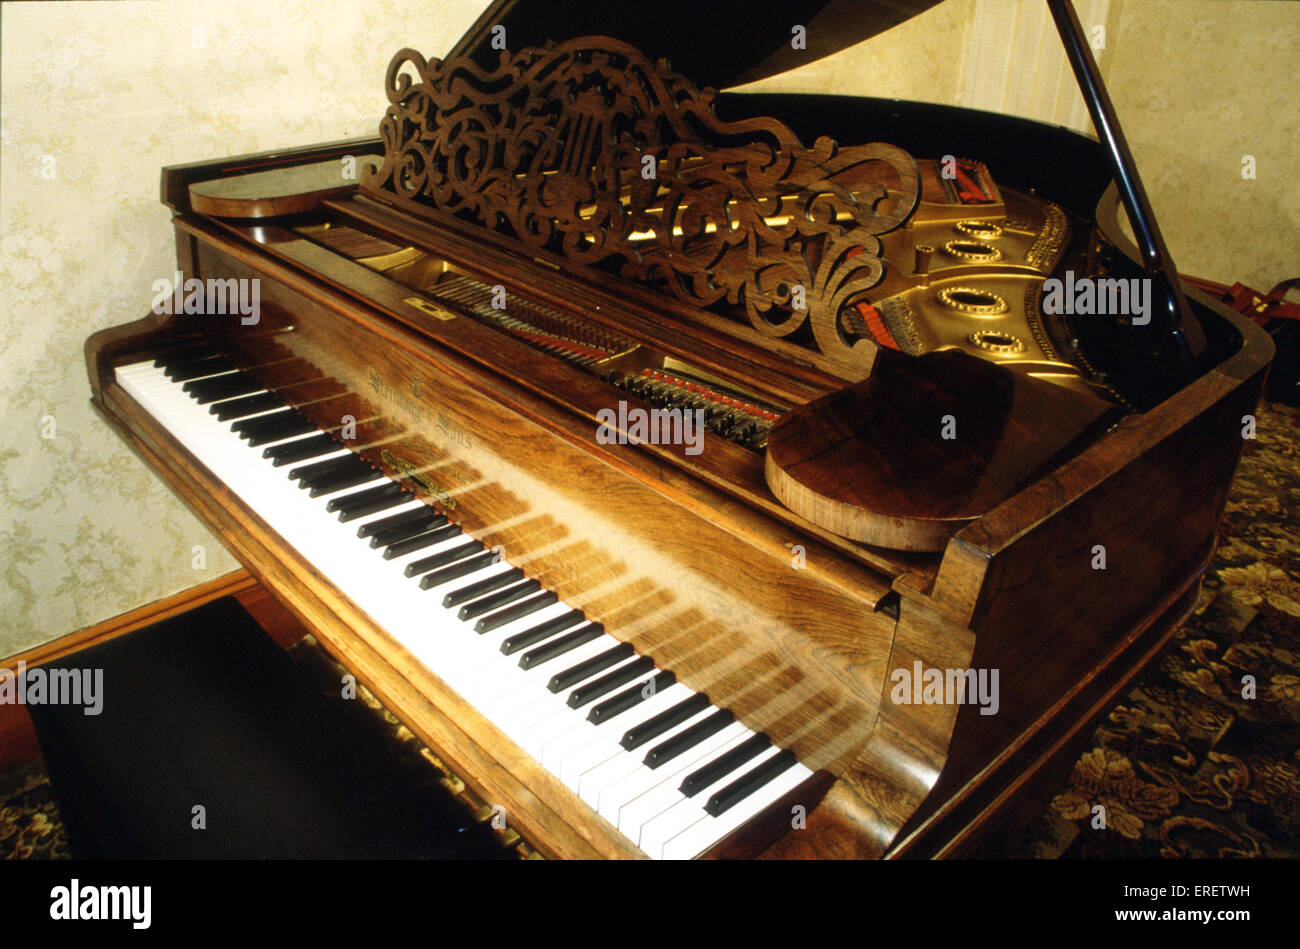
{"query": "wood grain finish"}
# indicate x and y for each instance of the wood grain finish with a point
(1006, 787)
(920, 449)
(175, 180)
(725, 466)
(1065, 632)
(294, 189)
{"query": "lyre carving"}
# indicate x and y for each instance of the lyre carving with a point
(590, 151)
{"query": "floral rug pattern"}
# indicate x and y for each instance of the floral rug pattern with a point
(1187, 765)
(30, 828)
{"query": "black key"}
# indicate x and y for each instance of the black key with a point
(475, 590)
(420, 541)
(375, 507)
(536, 634)
(191, 352)
(216, 388)
(285, 427)
(198, 368)
(630, 698)
(457, 570)
(289, 428)
(320, 467)
(558, 647)
(486, 604)
(744, 786)
(179, 357)
(418, 514)
(343, 465)
(360, 503)
(360, 498)
(608, 683)
(251, 426)
(723, 765)
(518, 611)
(395, 527)
(362, 474)
(242, 408)
(443, 558)
(590, 667)
(300, 450)
(684, 740)
(653, 727)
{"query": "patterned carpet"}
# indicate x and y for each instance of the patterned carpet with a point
(1185, 767)
(30, 828)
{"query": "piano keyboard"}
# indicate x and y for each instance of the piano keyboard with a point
(671, 771)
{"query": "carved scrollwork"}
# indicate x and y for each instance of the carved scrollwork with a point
(590, 151)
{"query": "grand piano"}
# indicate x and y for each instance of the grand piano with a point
(701, 474)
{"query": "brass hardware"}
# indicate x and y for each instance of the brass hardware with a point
(972, 301)
(996, 342)
(985, 229)
(972, 250)
(432, 309)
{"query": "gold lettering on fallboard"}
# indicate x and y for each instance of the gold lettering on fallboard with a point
(394, 397)
(453, 433)
(418, 477)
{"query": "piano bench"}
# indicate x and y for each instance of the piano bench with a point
(205, 711)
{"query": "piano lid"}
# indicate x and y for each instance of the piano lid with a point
(721, 43)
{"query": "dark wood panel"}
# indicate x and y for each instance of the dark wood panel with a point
(176, 179)
(910, 455)
(274, 192)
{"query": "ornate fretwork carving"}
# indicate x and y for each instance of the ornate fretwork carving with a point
(590, 151)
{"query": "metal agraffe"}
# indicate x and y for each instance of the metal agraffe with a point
(554, 148)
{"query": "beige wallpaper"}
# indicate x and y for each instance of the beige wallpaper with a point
(920, 58)
(1198, 85)
(95, 98)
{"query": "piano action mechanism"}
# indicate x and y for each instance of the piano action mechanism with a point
(455, 353)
